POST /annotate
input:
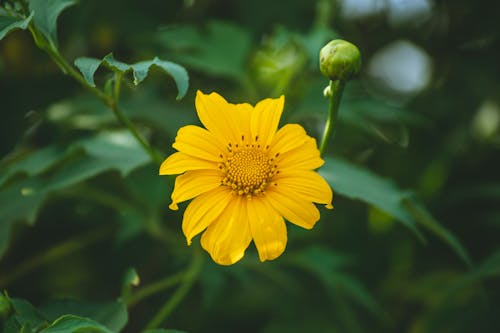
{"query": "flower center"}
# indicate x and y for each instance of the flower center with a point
(248, 171)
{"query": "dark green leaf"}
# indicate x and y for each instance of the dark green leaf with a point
(21, 200)
(32, 163)
(326, 265)
(46, 14)
(9, 23)
(113, 315)
(357, 183)
(162, 330)
(74, 324)
(424, 218)
(220, 50)
(27, 315)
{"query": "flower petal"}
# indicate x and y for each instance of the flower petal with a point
(218, 116)
(203, 210)
(193, 183)
(268, 229)
(265, 119)
(198, 142)
(292, 206)
(304, 157)
(179, 162)
(308, 183)
(227, 238)
(288, 137)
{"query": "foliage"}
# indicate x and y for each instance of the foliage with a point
(87, 243)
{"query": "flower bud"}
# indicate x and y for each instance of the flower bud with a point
(339, 60)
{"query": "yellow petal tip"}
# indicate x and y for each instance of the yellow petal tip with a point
(173, 206)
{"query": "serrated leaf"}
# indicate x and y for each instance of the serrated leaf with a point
(74, 324)
(140, 70)
(112, 315)
(46, 15)
(356, 183)
(9, 23)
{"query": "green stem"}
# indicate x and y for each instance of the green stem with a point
(188, 280)
(336, 90)
(111, 102)
(154, 288)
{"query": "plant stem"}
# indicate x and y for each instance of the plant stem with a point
(154, 288)
(336, 90)
(188, 280)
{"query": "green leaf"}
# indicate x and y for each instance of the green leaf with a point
(27, 315)
(32, 163)
(112, 315)
(424, 218)
(21, 200)
(88, 67)
(177, 72)
(46, 14)
(357, 183)
(74, 324)
(9, 23)
(140, 70)
(221, 49)
(162, 330)
(326, 265)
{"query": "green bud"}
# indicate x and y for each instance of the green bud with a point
(5, 307)
(339, 60)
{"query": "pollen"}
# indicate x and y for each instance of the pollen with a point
(248, 171)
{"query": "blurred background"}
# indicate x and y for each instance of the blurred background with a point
(424, 116)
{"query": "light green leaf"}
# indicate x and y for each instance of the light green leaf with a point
(140, 70)
(74, 324)
(177, 72)
(9, 23)
(112, 315)
(46, 14)
(115, 65)
(88, 67)
(357, 183)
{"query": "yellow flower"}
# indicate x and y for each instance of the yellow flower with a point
(245, 176)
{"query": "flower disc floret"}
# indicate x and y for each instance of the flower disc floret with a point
(248, 171)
